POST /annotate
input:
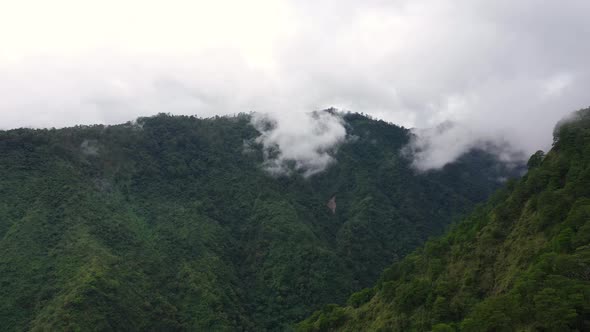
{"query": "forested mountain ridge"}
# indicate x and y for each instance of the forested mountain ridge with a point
(521, 262)
(170, 224)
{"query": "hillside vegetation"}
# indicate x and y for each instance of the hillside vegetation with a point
(170, 223)
(521, 262)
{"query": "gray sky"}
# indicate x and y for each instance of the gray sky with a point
(500, 70)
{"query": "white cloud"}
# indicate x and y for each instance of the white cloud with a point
(556, 85)
(435, 147)
(302, 142)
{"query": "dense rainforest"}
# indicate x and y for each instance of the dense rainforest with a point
(169, 223)
(520, 262)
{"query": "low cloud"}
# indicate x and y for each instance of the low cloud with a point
(89, 147)
(298, 142)
(433, 148)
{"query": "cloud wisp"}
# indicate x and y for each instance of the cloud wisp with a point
(299, 142)
(433, 148)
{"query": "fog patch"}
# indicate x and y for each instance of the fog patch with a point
(298, 142)
(89, 147)
(433, 148)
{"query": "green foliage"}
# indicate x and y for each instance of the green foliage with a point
(442, 327)
(521, 262)
(410, 295)
(361, 297)
(536, 159)
(328, 318)
(170, 223)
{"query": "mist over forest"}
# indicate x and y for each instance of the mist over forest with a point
(294, 165)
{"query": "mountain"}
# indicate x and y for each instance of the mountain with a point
(520, 262)
(171, 223)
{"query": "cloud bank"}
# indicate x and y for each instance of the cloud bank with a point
(298, 142)
(504, 71)
(433, 148)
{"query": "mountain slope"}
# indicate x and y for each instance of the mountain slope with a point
(170, 224)
(521, 262)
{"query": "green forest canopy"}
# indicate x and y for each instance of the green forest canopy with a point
(168, 223)
(520, 262)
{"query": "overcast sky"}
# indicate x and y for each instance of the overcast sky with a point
(501, 70)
